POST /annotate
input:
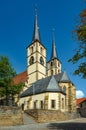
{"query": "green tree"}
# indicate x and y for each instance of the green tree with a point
(80, 54)
(6, 75)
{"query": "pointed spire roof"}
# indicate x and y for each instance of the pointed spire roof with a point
(53, 53)
(36, 33)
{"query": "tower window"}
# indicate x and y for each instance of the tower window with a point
(58, 71)
(58, 64)
(41, 61)
(51, 63)
(41, 50)
(32, 49)
(31, 60)
(51, 72)
(64, 88)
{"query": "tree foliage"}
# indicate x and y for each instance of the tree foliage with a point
(80, 54)
(6, 76)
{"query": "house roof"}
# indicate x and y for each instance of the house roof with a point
(48, 84)
(80, 100)
(20, 78)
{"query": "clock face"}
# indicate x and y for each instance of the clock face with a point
(41, 61)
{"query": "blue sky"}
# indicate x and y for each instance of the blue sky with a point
(16, 29)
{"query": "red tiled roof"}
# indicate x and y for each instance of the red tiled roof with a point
(78, 101)
(20, 78)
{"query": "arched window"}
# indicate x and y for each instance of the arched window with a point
(58, 71)
(41, 50)
(41, 104)
(51, 72)
(62, 103)
(64, 88)
(32, 49)
(51, 63)
(41, 61)
(58, 64)
(31, 60)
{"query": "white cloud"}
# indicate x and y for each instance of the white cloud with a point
(79, 94)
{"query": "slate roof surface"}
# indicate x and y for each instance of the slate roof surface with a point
(48, 84)
(62, 77)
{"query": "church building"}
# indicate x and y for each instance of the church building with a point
(47, 86)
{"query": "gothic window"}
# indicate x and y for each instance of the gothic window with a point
(35, 105)
(58, 64)
(41, 50)
(52, 103)
(51, 72)
(58, 71)
(41, 61)
(31, 60)
(41, 104)
(51, 63)
(62, 103)
(64, 88)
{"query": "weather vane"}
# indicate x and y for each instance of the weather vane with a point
(35, 9)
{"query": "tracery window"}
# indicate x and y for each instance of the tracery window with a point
(51, 63)
(64, 88)
(41, 61)
(31, 60)
(51, 72)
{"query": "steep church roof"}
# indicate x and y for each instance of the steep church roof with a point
(36, 33)
(48, 84)
(53, 52)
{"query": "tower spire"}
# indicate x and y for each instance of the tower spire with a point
(53, 53)
(36, 33)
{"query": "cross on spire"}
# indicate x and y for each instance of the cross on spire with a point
(36, 33)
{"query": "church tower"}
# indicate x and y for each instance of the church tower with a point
(54, 64)
(36, 56)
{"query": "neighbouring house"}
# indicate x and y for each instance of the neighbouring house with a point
(47, 86)
(81, 106)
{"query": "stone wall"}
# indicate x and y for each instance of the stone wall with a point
(10, 116)
(83, 112)
(49, 115)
